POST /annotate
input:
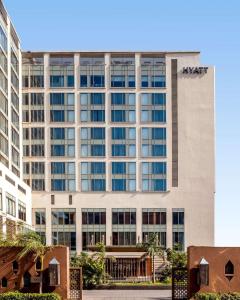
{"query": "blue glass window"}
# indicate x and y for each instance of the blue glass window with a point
(117, 81)
(98, 184)
(56, 99)
(83, 80)
(131, 81)
(97, 98)
(159, 99)
(144, 81)
(118, 116)
(159, 168)
(159, 133)
(98, 133)
(118, 98)
(57, 133)
(98, 168)
(58, 184)
(57, 116)
(97, 150)
(158, 150)
(70, 81)
(118, 168)
(158, 81)
(57, 168)
(97, 81)
(118, 133)
(158, 116)
(119, 184)
(56, 81)
(118, 150)
(159, 184)
(97, 115)
(57, 150)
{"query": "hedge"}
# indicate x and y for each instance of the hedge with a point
(30, 296)
(217, 296)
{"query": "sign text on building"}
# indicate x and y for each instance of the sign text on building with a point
(195, 70)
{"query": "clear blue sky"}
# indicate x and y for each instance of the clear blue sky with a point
(213, 27)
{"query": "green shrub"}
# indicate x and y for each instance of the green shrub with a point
(217, 296)
(30, 296)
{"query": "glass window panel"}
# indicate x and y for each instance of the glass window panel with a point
(145, 185)
(145, 133)
(71, 185)
(131, 99)
(84, 115)
(84, 99)
(144, 116)
(70, 99)
(84, 185)
(132, 150)
(71, 150)
(71, 133)
(132, 168)
(71, 168)
(132, 185)
(145, 99)
(132, 116)
(132, 133)
(84, 150)
(145, 151)
(70, 115)
(84, 133)
(84, 168)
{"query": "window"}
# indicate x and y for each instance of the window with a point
(63, 142)
(122, 72)
(92, 107)
(178, 217)
(37, 150)
(124, 226)
(64, 227)
(154, 177)
(123, 141)
(153, 72)
(93, 226)
(40, 218)
(61, 71)
(1, 204)
(63, 176)
(21, 211)
(153, 108)
(11, 205)
(124, 176)
(38, 184)
(92, 71)
(178, 229)
(92, 141)
(62, 107)
(123, 107)
(93, 176)
(37, 133)
(153, 142)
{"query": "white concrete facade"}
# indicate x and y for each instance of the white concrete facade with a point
(194, 193)
(15, 195)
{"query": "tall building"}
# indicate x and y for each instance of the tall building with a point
(15, 195)
(118, 145)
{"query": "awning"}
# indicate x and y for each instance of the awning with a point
(126, 254)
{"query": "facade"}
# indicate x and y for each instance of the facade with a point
(15, 195)
(118, 145)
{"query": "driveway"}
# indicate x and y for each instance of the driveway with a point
(127, 294)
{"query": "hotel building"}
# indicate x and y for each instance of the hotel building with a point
(118, 145)
(15, 195)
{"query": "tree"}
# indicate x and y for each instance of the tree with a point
(177, 259)
(30, 244)
(151, 246)
(93, 266)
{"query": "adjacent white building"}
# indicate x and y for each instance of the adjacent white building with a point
(118, 145)
(15, 195)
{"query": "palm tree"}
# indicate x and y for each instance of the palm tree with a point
(30, 244)
(151, 246)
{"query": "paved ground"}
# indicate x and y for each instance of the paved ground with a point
(127, 294)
